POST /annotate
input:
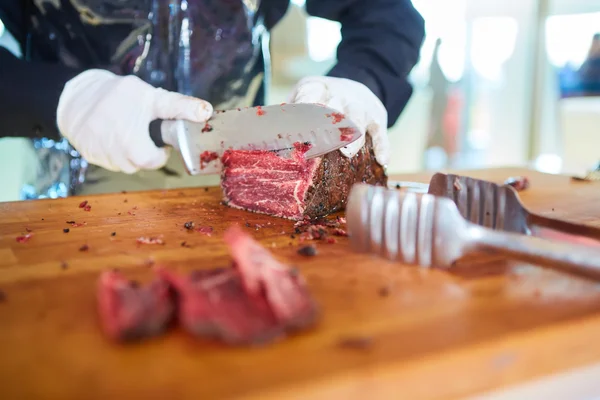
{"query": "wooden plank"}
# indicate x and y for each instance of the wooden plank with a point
(436, 334)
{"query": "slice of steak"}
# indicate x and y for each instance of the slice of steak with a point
(214, 304)
(295, 188)
(254, 302)
(129, 311)
(263, 275)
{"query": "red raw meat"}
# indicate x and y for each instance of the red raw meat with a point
(337, 117)
(295, 188)
(128, 311)
(25, 238)
(264, 182)
(346, 134)
(262, 274)
(213, 304)
(206, 157)
(256, 301)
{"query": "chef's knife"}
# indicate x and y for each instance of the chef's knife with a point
(274, 128)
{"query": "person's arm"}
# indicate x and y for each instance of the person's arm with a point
(381, 40)
(29, 93)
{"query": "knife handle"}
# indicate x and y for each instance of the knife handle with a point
(155, 129)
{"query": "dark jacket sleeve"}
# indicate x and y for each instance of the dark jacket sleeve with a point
(29, 93)
(381, 41)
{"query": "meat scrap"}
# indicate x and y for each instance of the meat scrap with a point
(83, 204)
(129, 311)
(149, 240)
(206, 157)
(295, 187)
(255, 301)
(207, 230)
(518, 182)
(24, 238)
(346, 134)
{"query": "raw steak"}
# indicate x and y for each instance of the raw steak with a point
(295, 188)
(254, 302)
(128, 311)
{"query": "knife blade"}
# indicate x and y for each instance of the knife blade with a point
(272, 128)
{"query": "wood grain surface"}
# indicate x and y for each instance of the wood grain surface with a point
(387, 330)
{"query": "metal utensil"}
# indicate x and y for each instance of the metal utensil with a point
(499, 207)
(429, 231)
(273, 128)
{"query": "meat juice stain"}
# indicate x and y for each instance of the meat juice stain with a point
(206, 157)
(336, 116)
(207, 128)
(346, 134)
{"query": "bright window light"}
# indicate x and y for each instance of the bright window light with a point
(568, 37)
(323, 38)
(299, 3)
(493, 43)
(1, 28)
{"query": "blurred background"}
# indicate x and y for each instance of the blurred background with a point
(499, 83)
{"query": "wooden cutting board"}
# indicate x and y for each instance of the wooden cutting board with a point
(420, 333)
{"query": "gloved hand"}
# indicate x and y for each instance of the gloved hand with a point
(106, 117)
(355, 101)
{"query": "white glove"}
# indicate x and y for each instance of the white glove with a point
(355, 101)
(106, 117)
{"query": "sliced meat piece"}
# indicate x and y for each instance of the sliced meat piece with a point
(129, 311)
(261, 273)
(255, 302)
(295, 188)
(214, 304)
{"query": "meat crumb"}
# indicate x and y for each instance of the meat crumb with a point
(185, 244)
(207, 128)
(206, 157)
(28, 230)
(149, 240)
(66, 230)
(384, 291)
(113, 234)
(308, 251)
(70, 222)
(87, 208)
(24, 238)
(340, 232)
(356, 343)
(330, 240)
(206, 189)
(207, 230)
(259, 111)
(189, 225)
(76, 224)
(83, 204)
(457, 184)
(346, 134)
(336, 116)
(85, 247)
(125, 201)
(518, 182)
